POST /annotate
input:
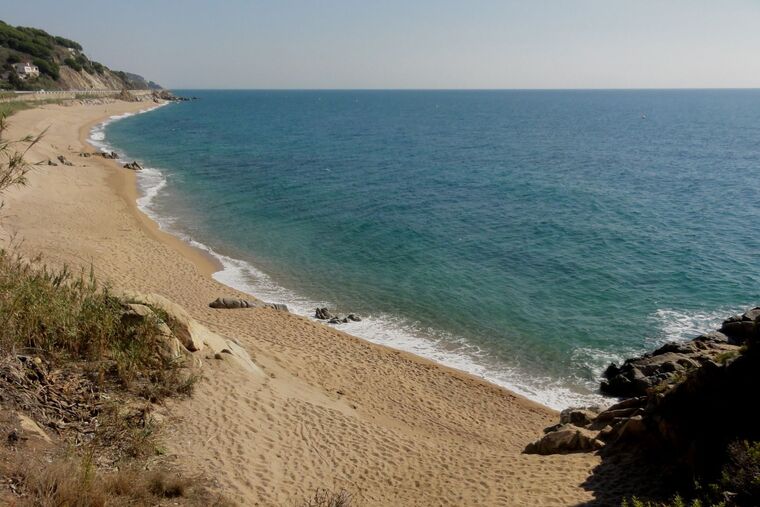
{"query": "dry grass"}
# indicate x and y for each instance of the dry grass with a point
(327, 498)
(71, 483)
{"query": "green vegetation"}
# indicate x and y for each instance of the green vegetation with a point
(37, 44)
(738, 484)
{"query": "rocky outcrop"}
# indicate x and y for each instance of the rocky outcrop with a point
(133, 166)
(684, 402)
(636, 376)
(112, 155)
(192, 335)
(324, 314)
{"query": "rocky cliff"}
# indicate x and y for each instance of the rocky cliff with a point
(61, 62)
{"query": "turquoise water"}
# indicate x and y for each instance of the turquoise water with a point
(529, 237)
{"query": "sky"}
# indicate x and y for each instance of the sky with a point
(423, 44)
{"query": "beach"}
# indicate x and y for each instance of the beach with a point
(331, 411)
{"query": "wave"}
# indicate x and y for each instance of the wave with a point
(401, 334)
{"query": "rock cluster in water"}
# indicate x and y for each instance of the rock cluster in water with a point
(324, 314)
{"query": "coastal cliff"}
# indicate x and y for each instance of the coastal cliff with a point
(56, 63)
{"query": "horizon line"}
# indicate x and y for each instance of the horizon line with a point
(695, 88)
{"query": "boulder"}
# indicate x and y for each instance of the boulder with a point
(50, 162)
(354, 318)
(63, 160)
(230, 303)
(323, 314)
(111, 156)
(133, 166)
(85, 154)
(278, 306)
(581, 417)
(564, 440)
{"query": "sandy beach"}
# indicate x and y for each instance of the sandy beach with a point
(331, 411)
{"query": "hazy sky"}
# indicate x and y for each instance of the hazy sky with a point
(413, 44)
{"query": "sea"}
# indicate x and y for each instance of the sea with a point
(530, 238)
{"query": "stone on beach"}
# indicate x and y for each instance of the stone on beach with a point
(133, 166)
(63, 160)
(565, 439)
(230, 303)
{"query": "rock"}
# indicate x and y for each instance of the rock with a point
(230, 303)
(50, 162)
(564, 440)
(323, 314)
(740, 331)
(636, 376)
(582, 417)
(85, 154)
(63, 160)
(31, 428)
(632, 427)
(194, 336)
(335, 320)
(278, 306)
(133, 165)
(753, 314)
(112, 155)
(353, 318)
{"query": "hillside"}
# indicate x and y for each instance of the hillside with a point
(61, 63)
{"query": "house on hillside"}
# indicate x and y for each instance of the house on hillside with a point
(26, 70)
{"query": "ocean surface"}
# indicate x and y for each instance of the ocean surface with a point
(528, 237)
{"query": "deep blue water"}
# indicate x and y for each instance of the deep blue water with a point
(527, 236)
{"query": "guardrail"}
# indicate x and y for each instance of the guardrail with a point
(12, 96)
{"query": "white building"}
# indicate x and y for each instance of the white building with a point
(26, 70)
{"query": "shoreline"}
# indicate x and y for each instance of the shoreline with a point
(359, 401)
(124, 183)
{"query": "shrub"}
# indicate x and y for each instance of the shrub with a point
(327, 498)
(73, 64)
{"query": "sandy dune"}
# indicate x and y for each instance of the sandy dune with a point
(330, 410)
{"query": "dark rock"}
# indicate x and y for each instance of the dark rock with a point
(335, 320)
(133, 166)
(50, 162)
(353, 318)
(230, 303)
(63, 160)
(278, 306)
(85, 154)
(323, 314)
(740, 331)
(111, 156)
